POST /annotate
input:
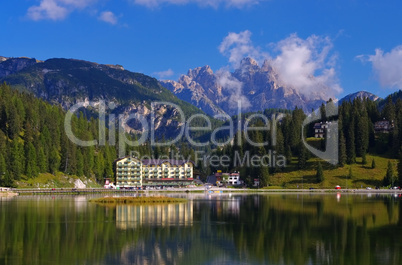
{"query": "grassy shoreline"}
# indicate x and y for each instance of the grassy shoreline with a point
(137, 200)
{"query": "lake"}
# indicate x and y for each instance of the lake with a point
(208, 229)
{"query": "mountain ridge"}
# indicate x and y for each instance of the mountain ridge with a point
(68, 81)
(360, 94)
(258, 88)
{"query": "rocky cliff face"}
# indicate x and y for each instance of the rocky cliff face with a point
(66, 82)
(258, 88)
(13, 65)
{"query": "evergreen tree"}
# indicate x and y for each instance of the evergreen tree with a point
(373, 164)
(396, 141)
(364, 158)
(89, 154)
(362, 133)
(42, 160)
(17, 159)
(80, 163)
(388, 111)
(400, 168)
(99, 166)
(14, 122)
(351, 154)
(280, 146)
(3, 168)
(302, 160)
(320, 174)
(108, 158)
(54, 161)
(342, 150)
(288, 154)
(389, 177)
(31, 169)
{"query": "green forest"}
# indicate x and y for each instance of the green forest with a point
(357, 139)
(33, 141)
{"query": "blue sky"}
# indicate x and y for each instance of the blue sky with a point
(349, 45)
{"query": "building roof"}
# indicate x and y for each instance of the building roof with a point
(158, 162)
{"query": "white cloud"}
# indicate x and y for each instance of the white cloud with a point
(48, 9)
(108, 17)
(234, 87)
(212, 3)
(56, 9)
(237, 46)
(387, 67)
(164, 74)
(307, 65)
(303, 64)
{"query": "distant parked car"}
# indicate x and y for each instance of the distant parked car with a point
(337, 187)
(368, 188)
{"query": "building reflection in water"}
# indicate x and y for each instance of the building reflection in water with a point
(132, 216)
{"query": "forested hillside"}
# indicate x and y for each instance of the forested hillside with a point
(357, 138)
(33, 141)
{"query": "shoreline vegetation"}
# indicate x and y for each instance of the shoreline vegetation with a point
(137, 200)
(8, 194)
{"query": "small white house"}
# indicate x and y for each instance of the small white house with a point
(234, 179)
(256, 183)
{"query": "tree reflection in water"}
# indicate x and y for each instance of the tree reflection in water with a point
(221, 229)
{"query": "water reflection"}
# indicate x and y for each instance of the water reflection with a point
(216, 229)
(132, 216)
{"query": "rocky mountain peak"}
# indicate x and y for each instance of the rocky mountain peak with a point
(214, 93)
(266, 66)
(200, 71)
(361, 95)
(248, 61)
(248, 67)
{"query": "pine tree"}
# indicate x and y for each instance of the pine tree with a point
(362, 133)
(17, 159)
(31, 169)
(54, 161)
(14, 122)
(351, 154)
(364, 158)
(342, 150)
(80, 163)
(373, 164)
(3, 168)
(288, 154)
(320, 174)
(302, 157)
(400, 168)
(42, 160)
(389, 177)
(99, 166)
(89, 154)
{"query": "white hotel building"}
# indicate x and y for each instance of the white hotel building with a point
(132, 172)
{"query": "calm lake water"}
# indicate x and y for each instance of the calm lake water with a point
(209, 229)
